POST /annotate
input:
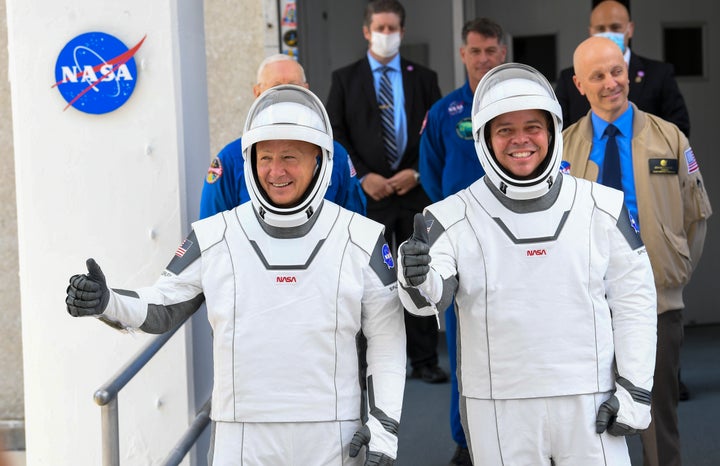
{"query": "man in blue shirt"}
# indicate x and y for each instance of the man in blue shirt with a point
(655, 167)
(449, 163)
(377, 105)
(224, 186)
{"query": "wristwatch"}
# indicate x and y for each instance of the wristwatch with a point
(417, 176)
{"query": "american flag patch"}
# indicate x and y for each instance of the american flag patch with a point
(690, 159)
(424, 123)
(183, 248)
(353, 173)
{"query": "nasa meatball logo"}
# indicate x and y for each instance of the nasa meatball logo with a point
(387, 256)
(96, 73)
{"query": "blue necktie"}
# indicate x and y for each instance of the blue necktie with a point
(387, 116)
(611, 164)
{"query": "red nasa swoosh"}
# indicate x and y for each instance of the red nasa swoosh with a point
(116, 62)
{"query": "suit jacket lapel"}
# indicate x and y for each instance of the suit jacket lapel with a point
(636, 76)
(408, 89)
(368, 87)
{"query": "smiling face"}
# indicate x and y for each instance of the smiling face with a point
(520, 141)
(601, 75)
(481, 54)
(285, 169)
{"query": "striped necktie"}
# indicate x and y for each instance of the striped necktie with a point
(387, 116)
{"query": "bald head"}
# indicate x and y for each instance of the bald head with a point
(278, 69)
(601, 75)
(610, 16)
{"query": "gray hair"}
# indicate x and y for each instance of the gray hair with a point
(275, 58)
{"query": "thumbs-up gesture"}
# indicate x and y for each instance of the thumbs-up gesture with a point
(414, 254)
(87, 294)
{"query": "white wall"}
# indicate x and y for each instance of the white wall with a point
(87, 186)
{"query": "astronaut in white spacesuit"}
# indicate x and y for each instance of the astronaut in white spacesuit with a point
(290, 280)
(552, 287)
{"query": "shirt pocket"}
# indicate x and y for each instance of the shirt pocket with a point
(674, 260)
(700, 200)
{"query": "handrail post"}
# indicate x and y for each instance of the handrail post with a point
(106, 396)
(110, 433)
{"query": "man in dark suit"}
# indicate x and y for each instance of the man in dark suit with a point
(385, 154)
(652, 83)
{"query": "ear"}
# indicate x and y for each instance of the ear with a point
(630, 30)
(366, 33)
(578, 85)
(257, 90)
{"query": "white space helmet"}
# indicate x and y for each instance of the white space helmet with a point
(508, 88)
(288, 112)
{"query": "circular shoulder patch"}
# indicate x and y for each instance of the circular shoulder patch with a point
(463, 128)
(215, 171)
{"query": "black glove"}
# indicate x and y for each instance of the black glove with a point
(607, 419)
(626, 412)
(87, 294)
(373, 458)
(414, 252)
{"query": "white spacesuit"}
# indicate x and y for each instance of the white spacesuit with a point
(534, 266)
(288, 291)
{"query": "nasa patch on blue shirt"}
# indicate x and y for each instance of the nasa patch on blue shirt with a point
(96, 72)
(455, 107)
(387, 256)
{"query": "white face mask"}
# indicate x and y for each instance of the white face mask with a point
(617, 37)
(385, 45)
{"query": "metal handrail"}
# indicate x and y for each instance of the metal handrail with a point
(191, 435)
(106, 396)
